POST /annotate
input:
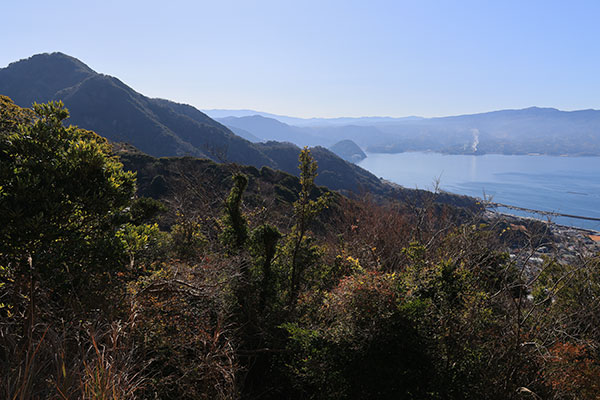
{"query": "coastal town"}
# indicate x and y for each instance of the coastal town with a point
(546, 239)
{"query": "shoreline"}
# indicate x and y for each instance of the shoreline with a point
(586, 231)
(546, 213)
(566, 243)
(479, 154)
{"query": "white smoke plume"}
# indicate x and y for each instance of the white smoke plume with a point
(475, 133)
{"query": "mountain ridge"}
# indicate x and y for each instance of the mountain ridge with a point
(532, 130)
(158, 127)
(221, 113)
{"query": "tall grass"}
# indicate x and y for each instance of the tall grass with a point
(18, 382)
(99, 365)
(111, 370)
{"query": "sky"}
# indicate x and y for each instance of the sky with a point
(327, 58)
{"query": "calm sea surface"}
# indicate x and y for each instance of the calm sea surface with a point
(569, 185)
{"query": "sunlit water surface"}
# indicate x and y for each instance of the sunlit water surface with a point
(569, 185)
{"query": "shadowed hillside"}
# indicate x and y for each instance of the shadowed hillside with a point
(106, 105)
(160, 127)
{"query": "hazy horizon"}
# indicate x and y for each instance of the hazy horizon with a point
(208, 110)
(328, 59)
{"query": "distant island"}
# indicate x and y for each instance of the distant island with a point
(348, 150)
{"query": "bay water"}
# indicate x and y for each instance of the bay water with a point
(568, 185)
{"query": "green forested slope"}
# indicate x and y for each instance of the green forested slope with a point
(247, 283)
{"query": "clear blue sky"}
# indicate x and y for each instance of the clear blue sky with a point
(327, 58)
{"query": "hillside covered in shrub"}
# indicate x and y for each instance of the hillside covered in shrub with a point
(124, 276)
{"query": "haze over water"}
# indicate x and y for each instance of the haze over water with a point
(569, 185)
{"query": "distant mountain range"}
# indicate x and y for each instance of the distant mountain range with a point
(221, 113)
(160, 127)
(526, 131)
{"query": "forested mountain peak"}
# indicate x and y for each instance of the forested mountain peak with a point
(159, 127)
(39, 77)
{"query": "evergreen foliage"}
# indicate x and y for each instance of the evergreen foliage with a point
(235, 226)
(62, 202)
(263, 246)
(306, 209)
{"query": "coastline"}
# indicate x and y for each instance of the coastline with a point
(368, 151)
(564, 243)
